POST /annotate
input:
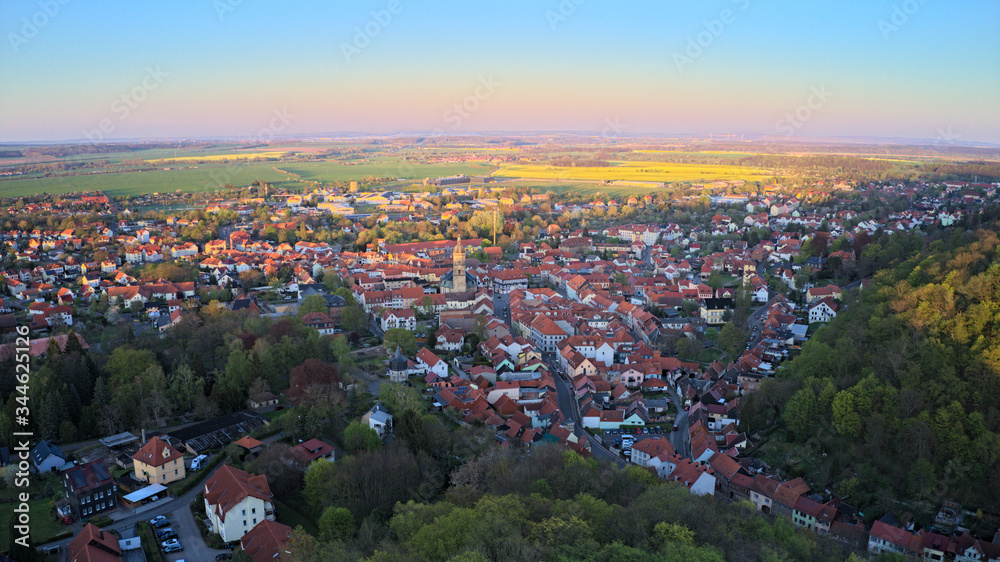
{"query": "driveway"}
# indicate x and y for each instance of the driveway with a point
(182, 522)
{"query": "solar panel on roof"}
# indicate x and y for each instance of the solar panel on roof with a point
(79, 479)
(101, 471)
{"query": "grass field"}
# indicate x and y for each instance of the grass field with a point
(633, 171)
(44, 525)
(208, 177)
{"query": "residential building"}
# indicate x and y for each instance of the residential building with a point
(157, 462)
(90, 489)
(236, 501)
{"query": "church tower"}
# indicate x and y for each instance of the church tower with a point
(458, 268)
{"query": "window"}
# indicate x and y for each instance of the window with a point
(254, 520)
(244, 512)
(244, 522)
(253, 510)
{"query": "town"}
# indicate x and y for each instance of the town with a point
(213, 378)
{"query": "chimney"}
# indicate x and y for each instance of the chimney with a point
(143, 437)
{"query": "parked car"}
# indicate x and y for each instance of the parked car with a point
(675, 427)
(157, 519)
(224, 556)
(169, 536)
(174, 547)
(171, 544)
(161, 523)
(166, 531)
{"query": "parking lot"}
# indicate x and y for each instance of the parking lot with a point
(182, 522)
(614, 438)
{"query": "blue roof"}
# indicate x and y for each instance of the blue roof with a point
(43, 450)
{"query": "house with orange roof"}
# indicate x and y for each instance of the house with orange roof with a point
(236, 501)
(94, 544)
(267, 541)
(157, 462)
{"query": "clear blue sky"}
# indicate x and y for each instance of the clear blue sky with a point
(226, 67)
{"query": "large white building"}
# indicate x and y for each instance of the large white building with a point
(236, 501)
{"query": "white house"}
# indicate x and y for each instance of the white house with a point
(698, 478)
(46, 457)
(431, 363)
(823, 311)
(236, 501)
(393, 318)
(379, 419)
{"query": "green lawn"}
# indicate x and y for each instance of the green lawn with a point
(44, 526)
(709, 355)
(290, 515)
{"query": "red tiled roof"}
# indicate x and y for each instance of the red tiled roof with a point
(229, 486)
(266, 541)
(156, 452)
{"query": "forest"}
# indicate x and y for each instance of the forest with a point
(893, 404)
(541, 504)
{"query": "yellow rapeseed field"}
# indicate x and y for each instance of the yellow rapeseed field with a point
(220, 157)
(634, 171)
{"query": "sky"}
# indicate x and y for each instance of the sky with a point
(922, 69)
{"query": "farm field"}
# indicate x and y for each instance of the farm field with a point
(207, 177)
(224, 156)
(585, 188)
(335, 171)
(633, 171)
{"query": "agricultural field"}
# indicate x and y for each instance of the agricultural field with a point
(634, 171)
(208, 177)
(223, 157)
(590, 189)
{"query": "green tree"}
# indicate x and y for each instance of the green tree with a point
(336, 523)
(732, 340)
(401, 338)
(398, 398)
(313, 303)
(359, 437)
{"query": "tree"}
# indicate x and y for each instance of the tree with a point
(401, 338)
(410, 428)
(313, 303)
(353, 318)
(336, 523)
(732, 340)
(358, 437)
(398, 398)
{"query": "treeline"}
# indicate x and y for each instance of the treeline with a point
(209, 364)
(542, 504)
(895, 400)
(571, 162)
(825, 163)
(969, 171)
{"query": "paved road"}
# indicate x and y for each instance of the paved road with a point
(570, 409)
(680, 439)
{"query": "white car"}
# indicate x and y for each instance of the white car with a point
(157, 519)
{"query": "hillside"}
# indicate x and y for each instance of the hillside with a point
(894, 403)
